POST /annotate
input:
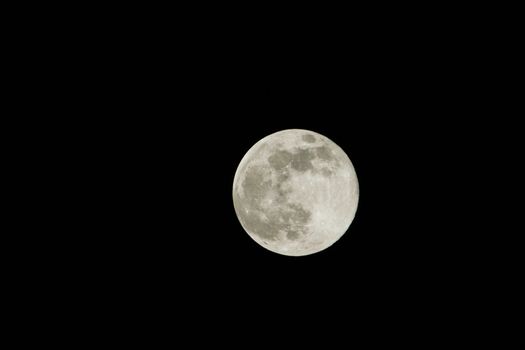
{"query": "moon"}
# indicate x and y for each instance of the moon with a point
(295, 192)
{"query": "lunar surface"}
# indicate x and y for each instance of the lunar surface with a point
(295, 192)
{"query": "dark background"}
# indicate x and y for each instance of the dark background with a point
(158, 116)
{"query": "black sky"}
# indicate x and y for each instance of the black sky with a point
(166, 126)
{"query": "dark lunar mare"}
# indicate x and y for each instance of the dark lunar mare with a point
(309, 138)
(290, 217)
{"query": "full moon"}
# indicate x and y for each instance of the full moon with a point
(295, 192)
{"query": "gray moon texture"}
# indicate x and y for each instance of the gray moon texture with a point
(295, 192)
